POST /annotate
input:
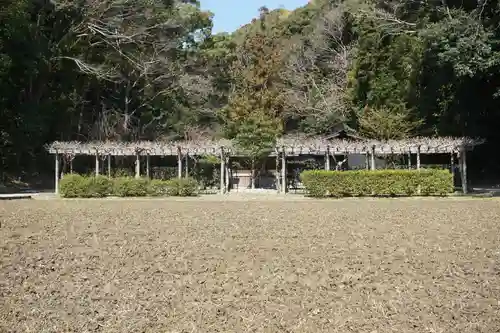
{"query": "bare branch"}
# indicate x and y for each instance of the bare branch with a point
(317, 74)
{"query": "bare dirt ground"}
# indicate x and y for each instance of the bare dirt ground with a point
(276, 266)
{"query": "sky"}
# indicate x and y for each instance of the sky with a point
(231, 14)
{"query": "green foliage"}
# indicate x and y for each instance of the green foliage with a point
(319, 183)
(78, 186)
(385, 69)
(164, 172)
(122, 172)
(188, 187)
(130, 187)
(183, 187)
(71, 186)
(386, 123)
(61, 79)
(462, 43)
(426, 68)
(254, 96)
(100, 186)
(207, 171)
(209, 159)
(440, 183)
(256, 137)
(162, 188)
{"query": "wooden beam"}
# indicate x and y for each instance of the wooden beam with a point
(315, 146)
(409, 160)
(186, 166)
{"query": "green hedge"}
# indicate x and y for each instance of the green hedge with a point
(130, 187)
(320, 183)
(78, 186)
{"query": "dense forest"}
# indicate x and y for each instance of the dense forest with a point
(152, 69)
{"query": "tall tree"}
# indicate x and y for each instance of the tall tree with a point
(315, 74)
(255, 139)
(254, 83)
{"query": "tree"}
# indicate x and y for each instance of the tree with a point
(255, 139)
(386, 123)
(143, 54)
(153, 70)
(315, 75)
(254, 82)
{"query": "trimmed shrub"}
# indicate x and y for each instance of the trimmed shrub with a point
(71, 186)
(317, 182)
(130, 187)
(320, 183)
(100, 186)
(188, 187)
(183, 187)
(439, 183)
(159, 188)
(78, 186)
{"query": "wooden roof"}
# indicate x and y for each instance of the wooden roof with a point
(290, 144)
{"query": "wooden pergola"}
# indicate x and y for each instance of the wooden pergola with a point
(290, 145)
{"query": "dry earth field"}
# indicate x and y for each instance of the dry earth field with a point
(400, 265)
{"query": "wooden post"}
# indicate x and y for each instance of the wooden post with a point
(179, 163)
(137, 165)
(228, 182)
(109, 166)
(148, 166)
(252, 174)
(97, 164)
(222, 169)
(418, 158)
(419, 190)
(452, 167)
(284, 186)
(409, 160)
(327, 159)
(277, 172)
(367, 160)
(346, 158)
(57, 174)
(71, 164)
(463, 158)
(373, 166)
(186, 167)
